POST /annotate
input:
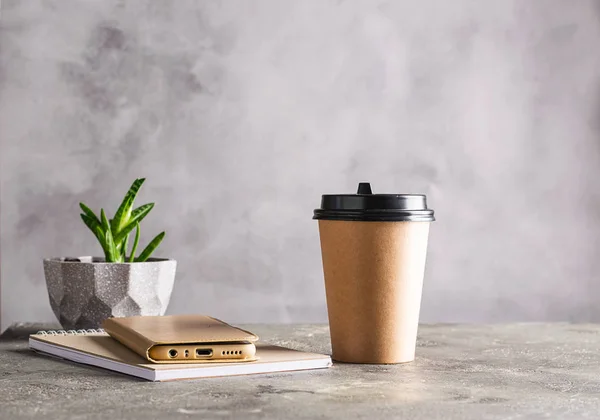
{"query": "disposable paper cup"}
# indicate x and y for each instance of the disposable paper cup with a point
(374, 248)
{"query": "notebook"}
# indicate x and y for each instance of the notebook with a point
(97, 348)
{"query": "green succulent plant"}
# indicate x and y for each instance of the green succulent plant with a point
(113, 234)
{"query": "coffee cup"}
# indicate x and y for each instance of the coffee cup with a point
(373, 248)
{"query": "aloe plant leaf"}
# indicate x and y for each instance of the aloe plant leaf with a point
(110, 244)
(113, 254)
(123, 248)
(136, 241)
(143, 212)
(111, 248)
(93, 225)
(151, 247)
(141, 209)
(88, 212)
(104, 221)
(96, 229)
(124, 211)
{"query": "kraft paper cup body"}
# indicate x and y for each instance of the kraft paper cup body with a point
(373, 281)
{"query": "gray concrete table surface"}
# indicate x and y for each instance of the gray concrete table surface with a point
(511, 371)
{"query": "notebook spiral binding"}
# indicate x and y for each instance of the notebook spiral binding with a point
(71, 332)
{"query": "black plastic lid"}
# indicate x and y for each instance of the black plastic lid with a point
(368, 207)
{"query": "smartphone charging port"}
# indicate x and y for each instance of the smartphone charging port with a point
(204, 352)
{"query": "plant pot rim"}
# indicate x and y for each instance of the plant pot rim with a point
(100, 260)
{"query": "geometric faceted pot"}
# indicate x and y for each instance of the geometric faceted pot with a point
(85, 291)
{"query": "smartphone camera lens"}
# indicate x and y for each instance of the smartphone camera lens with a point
(172, 353)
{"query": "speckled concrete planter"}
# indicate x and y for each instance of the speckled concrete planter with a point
(85, 291)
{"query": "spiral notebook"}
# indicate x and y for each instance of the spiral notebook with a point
(97, 348)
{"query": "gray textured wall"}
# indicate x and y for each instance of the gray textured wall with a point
(241, 113)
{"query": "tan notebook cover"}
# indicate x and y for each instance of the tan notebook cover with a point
(99, 349)
(141, 333)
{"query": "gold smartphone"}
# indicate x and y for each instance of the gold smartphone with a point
(183, 339)
(203, 351)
